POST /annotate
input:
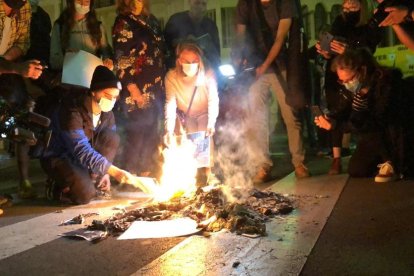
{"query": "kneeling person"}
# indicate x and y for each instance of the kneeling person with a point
(84, 142)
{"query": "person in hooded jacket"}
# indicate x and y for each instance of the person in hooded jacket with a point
(78, 160)
(350, 31)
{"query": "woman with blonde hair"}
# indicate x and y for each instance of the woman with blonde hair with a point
(192, 92)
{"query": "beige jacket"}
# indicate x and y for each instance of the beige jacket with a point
(179, 90)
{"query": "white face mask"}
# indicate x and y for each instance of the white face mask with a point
(352, 85)
(81, 9)
(106, 105)
(190, 69)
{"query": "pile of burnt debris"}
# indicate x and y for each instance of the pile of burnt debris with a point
(210, 210)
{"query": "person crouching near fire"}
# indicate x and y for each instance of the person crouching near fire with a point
(84, 143)
(192, 96)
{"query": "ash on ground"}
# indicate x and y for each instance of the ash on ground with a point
(209, 209)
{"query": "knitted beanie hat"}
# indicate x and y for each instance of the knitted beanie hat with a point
(104, 78)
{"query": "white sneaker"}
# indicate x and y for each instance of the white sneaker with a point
(385, 173)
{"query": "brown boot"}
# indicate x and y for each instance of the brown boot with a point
(301, 171)
(336, 167)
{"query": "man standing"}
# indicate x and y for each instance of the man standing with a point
(262, 28)
(15, 18)
(193, 24)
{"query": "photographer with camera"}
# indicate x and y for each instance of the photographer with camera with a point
(15, 18)
(400, 16)
(350, 30)
(84, 143)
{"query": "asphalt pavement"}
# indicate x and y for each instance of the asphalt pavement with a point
(341, 226)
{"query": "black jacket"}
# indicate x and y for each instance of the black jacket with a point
(73, 134)
(390, 115)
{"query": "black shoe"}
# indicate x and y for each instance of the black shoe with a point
(53, 192)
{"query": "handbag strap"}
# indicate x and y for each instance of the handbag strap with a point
(191, 101)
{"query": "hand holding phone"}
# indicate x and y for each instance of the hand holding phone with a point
(316, 111)
(325, 42)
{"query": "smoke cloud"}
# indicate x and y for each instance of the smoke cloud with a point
(237, 157)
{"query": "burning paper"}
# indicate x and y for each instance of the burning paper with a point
(179, 170)
(146, 184)
(160, 229)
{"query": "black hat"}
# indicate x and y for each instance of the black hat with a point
(15, 4)
(104, 78)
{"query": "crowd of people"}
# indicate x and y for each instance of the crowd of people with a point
(154, 82)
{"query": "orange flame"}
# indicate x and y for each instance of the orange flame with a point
(179, 170)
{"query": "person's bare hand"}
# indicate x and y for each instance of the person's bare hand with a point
(168, 139)
(108, 63)
(210, 132)
(136, 94)
(104, 183)
(395, 16)
(260, 70)
(323, 122)
(325, 54)
(30, 69)
(338, 47)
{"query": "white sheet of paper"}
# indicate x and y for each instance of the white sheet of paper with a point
(78, 68)
(203, 144)
(160, 229)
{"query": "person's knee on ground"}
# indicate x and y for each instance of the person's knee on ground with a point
(82, 192)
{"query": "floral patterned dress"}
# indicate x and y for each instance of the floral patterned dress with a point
(139, 59)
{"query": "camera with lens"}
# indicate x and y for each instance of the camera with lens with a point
(381, 14)
(22, 125)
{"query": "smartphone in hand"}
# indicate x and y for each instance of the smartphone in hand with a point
(325, 42)
(316, 111)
